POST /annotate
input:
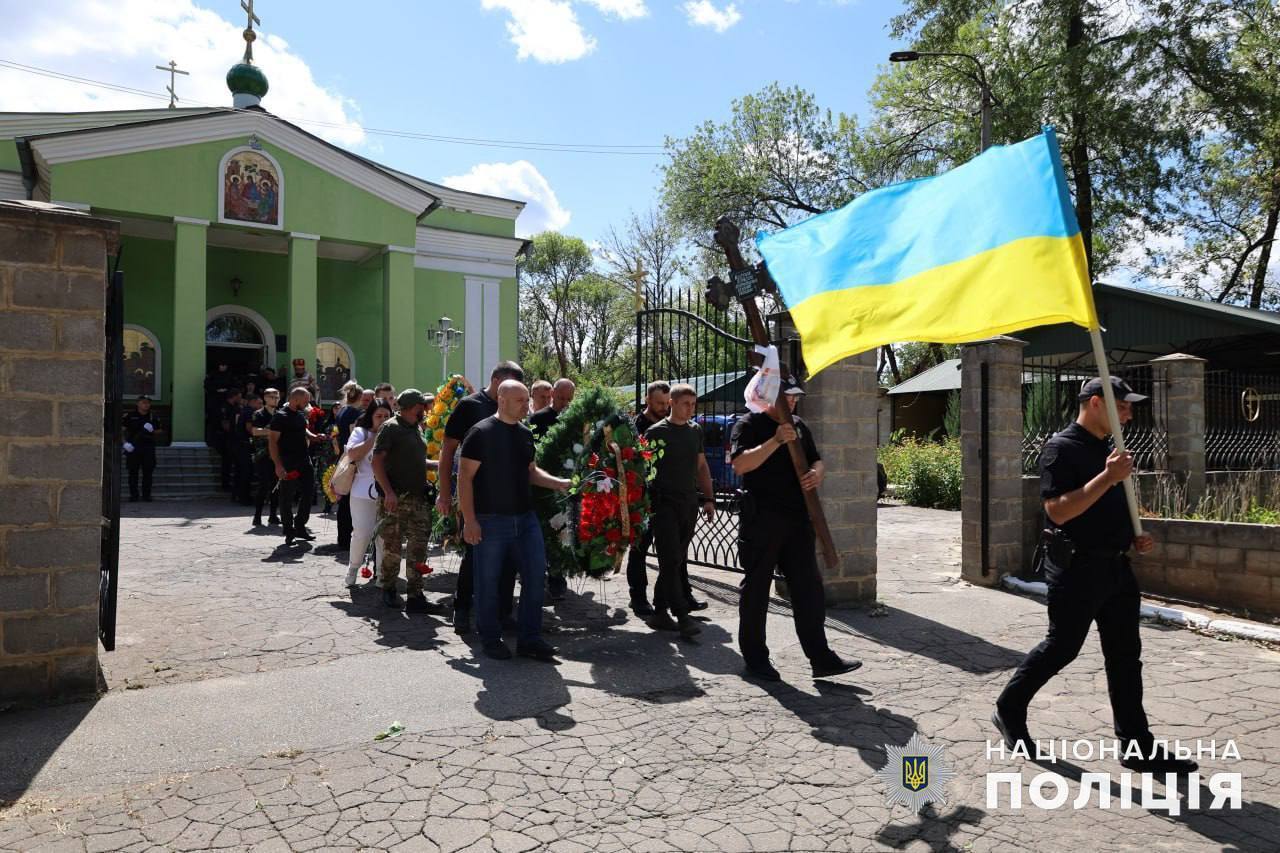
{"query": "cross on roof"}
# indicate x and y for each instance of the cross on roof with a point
(249, 34)
(173, 70)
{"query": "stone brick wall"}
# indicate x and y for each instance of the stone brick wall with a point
(52, 312)
(1003, 357)
(841, 408)
(1231, 565)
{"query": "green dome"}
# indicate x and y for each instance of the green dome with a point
(246, 79)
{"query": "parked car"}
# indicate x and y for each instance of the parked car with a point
(716, 430)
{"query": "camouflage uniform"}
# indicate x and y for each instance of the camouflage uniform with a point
(411, 521)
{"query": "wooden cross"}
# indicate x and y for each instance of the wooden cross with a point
(249, 35)
(728, 235)
(637, 278)
(173, 70)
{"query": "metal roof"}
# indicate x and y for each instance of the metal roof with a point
(705, 385)
(940, 377)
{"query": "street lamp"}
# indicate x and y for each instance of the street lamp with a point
(987, 100)
(446, 338)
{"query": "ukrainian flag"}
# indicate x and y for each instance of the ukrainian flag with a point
(988, 248)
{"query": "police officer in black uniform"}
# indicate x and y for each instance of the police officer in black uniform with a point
(140, 428)
(776, 533)
(1089, 578)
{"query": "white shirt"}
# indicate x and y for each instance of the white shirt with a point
(362, 487)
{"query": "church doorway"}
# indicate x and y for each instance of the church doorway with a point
(236, 338)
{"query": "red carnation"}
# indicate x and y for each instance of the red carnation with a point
(628, 454)
(613, 534)
(594, 460)
(423, 568)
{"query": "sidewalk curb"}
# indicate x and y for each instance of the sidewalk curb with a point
(1172, 615)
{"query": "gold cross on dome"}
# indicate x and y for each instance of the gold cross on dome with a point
(249, 34)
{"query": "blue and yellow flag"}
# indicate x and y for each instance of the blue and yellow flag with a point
(988, 248)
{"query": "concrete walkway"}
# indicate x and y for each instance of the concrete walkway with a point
(249, 685)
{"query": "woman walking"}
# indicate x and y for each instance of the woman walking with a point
(364, 496)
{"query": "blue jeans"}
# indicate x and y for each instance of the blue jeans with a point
(517, 540)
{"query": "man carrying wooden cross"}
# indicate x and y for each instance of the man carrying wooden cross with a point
(777, 533)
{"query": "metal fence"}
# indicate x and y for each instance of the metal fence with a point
(1242, 420)
(1050, 402)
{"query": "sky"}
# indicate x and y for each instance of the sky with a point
(583, 75)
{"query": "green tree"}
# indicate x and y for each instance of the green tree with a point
(548, 274)
(1084, 66)
(778, 159)
(1220, 219)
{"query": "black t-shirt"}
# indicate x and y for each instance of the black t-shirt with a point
(227, 414)
(262, 420)
(471, 410)
(240, 429)
(292, 426)
(678, 468)
(346, 420)
(774, 484)
(504, 451)
(1068, 461)
(642, 423)
(542, 420)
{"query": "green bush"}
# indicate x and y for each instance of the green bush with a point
(927, 473)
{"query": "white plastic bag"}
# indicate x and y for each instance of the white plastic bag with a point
(763, 388)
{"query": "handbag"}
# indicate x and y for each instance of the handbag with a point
(344, 476)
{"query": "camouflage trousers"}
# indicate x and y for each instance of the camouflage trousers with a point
(411, 524)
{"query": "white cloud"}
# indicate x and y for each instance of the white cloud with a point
(704, 13)
(624, 9)
(549, 31)
(522, 181)
(118, 41)
(544, 30)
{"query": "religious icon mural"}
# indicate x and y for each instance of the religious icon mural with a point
(139, 364)
(251, 189)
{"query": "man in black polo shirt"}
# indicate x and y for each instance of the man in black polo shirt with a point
(470, 411)
(400, 469)
(1090, 579)
(263, 466)
(499, 523)
(776, 533)
(657, 404)
(681, 486)
(288, 442)
(242, 448)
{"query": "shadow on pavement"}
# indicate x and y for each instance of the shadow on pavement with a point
(29, 738)
(937, 641)
(1254, 826)
(932, 828)
(396, 629)
(649, 666)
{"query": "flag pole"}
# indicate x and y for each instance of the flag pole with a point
(1113, 416)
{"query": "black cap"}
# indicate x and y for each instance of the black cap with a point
(790, 385)
(1093, 388)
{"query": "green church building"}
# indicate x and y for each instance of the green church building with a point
(248, 240)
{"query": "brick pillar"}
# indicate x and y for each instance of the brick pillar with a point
(1003, 357)
(52, 312)
(841, 408)
(1178, 398)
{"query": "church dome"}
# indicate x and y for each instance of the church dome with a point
(247, 83)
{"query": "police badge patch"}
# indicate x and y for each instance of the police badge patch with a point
(915, 774)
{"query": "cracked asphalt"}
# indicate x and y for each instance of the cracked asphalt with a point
(249, 685)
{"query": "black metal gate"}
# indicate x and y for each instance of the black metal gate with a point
(113, 386)
(686, 340)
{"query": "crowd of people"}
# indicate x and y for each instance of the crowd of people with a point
(271, 435)
(275, 441)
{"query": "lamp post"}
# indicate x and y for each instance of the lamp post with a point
(987, 100)
(447, 338)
